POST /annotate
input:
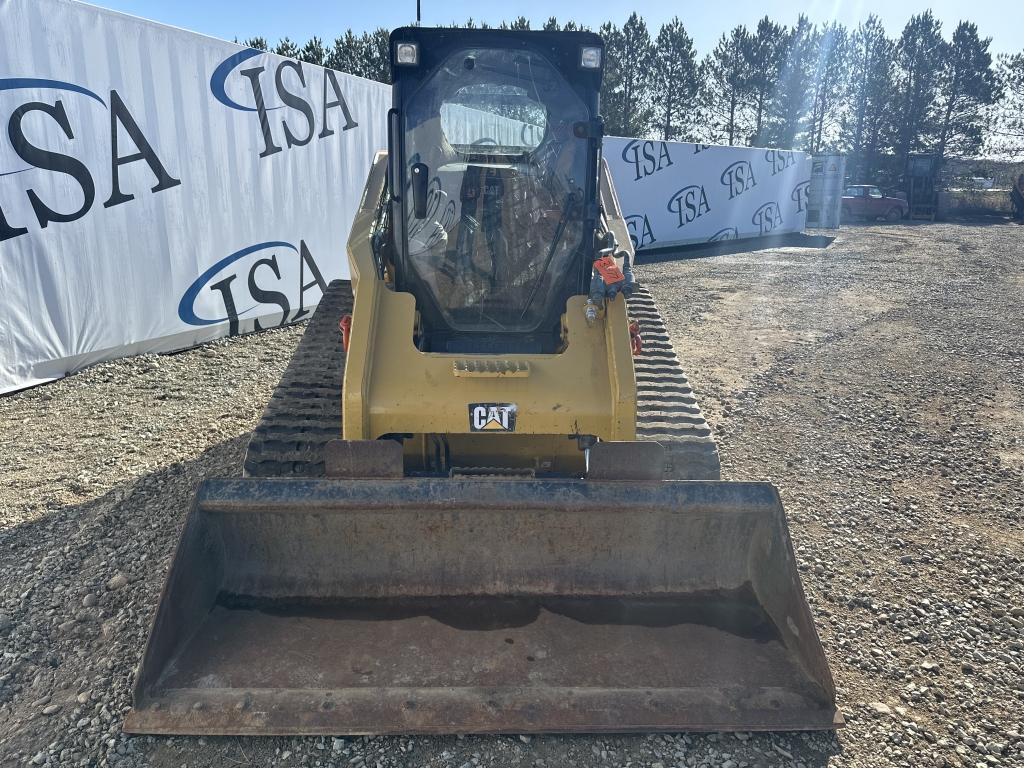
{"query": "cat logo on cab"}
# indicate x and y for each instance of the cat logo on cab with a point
(492, 417)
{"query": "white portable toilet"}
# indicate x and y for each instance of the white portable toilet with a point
(825, 194)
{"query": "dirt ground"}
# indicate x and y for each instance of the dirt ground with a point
(879, 383)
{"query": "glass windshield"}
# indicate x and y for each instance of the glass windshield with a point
(492, 129)
(499, 117)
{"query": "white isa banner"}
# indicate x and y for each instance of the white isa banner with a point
(160, 188)
(674, 193)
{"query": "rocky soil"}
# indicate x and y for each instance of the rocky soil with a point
(879, 383)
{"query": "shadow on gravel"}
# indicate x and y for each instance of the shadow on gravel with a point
(979, 220)
(725, 247)
(223, 459)
(584, 750)
(89, 576)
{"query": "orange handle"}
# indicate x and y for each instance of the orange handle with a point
(346, 330)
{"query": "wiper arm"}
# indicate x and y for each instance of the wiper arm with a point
(563, 223)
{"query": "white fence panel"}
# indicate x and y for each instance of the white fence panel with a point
(675, 193)
(159, 188)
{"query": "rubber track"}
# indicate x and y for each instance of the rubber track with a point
(666, 408)
(304, 411)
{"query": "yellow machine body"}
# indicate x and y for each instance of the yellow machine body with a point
(586, 389)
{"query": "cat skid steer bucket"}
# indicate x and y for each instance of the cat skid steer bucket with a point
(476, 605)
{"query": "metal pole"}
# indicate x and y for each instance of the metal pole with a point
(417, 12)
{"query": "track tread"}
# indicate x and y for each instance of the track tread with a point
(667, 411)
(304, 411)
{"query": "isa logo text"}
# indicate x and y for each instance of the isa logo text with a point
(293, 104)
(269, 278)
(68, 145)
(646, 157)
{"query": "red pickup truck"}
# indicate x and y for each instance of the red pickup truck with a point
(869, 202)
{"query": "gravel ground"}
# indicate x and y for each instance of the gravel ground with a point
(879, 383)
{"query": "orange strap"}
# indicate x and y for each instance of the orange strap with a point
(609, 270)
(635, 339)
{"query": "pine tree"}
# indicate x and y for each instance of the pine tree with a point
(626, 91)
(1007, 137)
(969, 85)
(314, 52)
(766, 51)
(613, 64)
(366, 55)
(286, 47)
(920, 59)
(675, 85)
(798, 87)
(375, 55)
(831, 83)
(726, 88)
(344, 55)
(789, 108)
(869, 124)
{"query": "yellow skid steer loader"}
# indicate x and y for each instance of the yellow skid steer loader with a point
(489, 501)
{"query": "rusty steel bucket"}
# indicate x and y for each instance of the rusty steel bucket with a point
(482, 606)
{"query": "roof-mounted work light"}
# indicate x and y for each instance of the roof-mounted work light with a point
(407, 54)
(590, 57)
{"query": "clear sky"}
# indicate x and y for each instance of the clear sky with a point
(1002, 20)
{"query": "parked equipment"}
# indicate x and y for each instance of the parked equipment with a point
(1017, 198)
(523, 528)
(920, 183)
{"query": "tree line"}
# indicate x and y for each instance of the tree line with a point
(819, 88)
